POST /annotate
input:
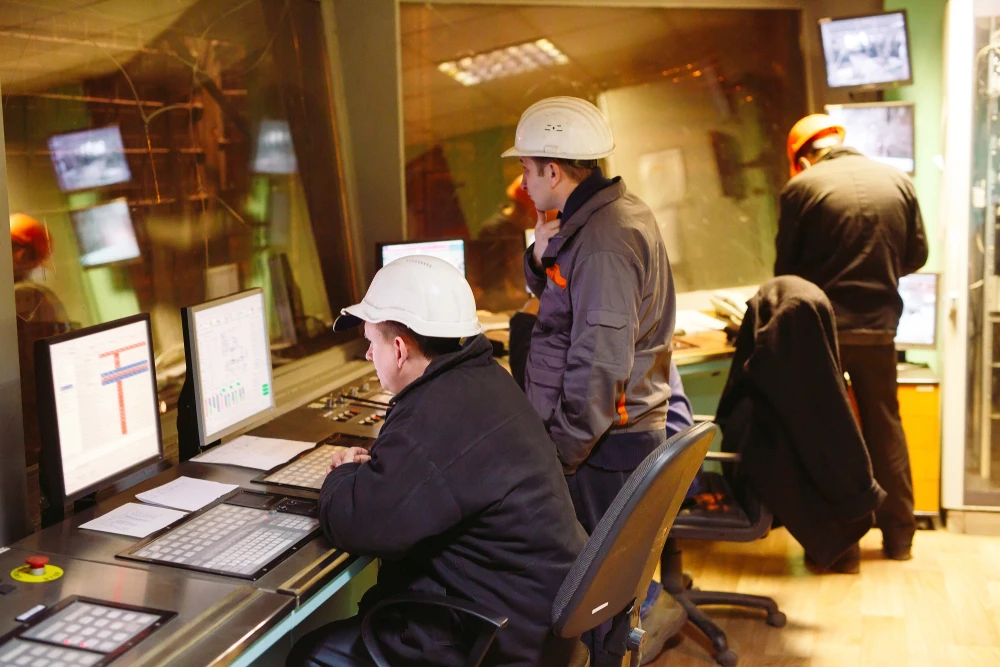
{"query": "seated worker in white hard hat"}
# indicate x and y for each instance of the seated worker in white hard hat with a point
(598, 367)
(463, 494)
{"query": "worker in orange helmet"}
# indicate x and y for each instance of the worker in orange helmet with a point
(40, 314)
(853, 227)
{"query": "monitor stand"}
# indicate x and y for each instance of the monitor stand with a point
(188, 435)
(867, 96)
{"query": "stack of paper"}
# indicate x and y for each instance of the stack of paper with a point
(185, 493)
(249, 451)
(134, 520)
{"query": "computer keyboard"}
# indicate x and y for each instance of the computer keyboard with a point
(17, 653)
(230, 539)
(307, 472)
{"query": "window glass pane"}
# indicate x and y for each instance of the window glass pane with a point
(169, 153)
(700, 102)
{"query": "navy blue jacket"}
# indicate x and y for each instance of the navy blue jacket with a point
(464, 496)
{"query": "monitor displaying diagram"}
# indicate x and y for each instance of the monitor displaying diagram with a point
(232, 362)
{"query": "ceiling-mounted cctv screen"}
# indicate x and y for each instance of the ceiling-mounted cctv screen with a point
(882, 131)
(89, 159)
(866, 51)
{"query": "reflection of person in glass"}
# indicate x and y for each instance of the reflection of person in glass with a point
(40, 314)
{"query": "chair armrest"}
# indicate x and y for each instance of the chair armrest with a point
(723, 457)
(494, 622)
(701, 419)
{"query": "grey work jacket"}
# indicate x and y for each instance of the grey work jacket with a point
(600, 350)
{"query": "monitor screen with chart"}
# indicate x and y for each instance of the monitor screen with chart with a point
(229, 362)
(98, 407)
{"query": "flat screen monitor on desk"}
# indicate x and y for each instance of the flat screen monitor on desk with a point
(918, 324)
(105, 234)
(228, 363)
(450, 250)
(882, 131)
(866, 52)
(98, 408)
(89, 159)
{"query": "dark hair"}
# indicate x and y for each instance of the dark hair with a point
(575, 169)
(429, 346)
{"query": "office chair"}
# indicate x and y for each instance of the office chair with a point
(729, 515)
(611, 575)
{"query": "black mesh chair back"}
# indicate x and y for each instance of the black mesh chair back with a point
(618, 562)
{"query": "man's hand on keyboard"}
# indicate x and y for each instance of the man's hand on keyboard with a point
(348, 455)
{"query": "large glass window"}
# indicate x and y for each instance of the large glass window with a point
(700, 102)
(169, 153)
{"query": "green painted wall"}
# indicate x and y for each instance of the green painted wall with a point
(926, 25)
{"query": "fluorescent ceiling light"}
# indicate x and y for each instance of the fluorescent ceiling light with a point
(503, 62)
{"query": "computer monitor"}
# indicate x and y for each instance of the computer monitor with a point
(450, 250)
(918, 324)
(275, 152)
(105, 234)
(228, 363)
(97, 406)
(89, 159)
(882, 131)
(866, 52)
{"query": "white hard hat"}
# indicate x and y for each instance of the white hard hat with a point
(427, 294)
(563, 127)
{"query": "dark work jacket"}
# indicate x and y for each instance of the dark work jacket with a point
(464, 496)
(852, 226)
(785, 410)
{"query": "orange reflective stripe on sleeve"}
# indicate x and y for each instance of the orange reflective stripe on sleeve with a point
(553, 272)
(622, 413)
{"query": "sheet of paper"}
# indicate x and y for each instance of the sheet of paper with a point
(692, 322)
(493, 321)
(249, 451)
(134, 520)
(185, 493)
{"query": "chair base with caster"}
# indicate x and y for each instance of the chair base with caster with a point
(677, 584)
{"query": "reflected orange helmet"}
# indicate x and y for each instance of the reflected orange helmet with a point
(517, 194)
(25, 230)
(807, 130)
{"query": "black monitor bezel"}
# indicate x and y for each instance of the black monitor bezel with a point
(193, 369)
(875, 105)
(48, 417)
(907, 347)
(882, 85)
(108, 658)
(382, 244)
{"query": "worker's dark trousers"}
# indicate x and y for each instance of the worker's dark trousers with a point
(873, 376)
(334, 645)
(593, 490)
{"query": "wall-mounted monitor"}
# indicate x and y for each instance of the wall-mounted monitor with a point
(275, 152)
(105, 234)
(450, 250)
(882, 131)
(866, 52)
(918, 325)
(89, 159)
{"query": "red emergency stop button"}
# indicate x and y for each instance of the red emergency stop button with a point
(37, 564)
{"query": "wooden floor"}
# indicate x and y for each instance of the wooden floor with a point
(941, 608)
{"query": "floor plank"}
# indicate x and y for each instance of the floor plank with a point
(941, 608)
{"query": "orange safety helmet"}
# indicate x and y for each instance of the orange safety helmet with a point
(812, 127)
(25, 230)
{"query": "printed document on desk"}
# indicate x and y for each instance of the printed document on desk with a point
(134, 520)
(186, 493)
(249, 451)
(694, 322)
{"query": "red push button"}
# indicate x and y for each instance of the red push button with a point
(37, 564)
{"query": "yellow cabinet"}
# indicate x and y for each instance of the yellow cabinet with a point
(920, 408)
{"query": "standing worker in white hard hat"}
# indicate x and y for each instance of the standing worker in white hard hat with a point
(461, 494)
(598, 368)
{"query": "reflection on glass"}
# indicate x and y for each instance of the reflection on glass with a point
(699, 103)
(162, 159)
